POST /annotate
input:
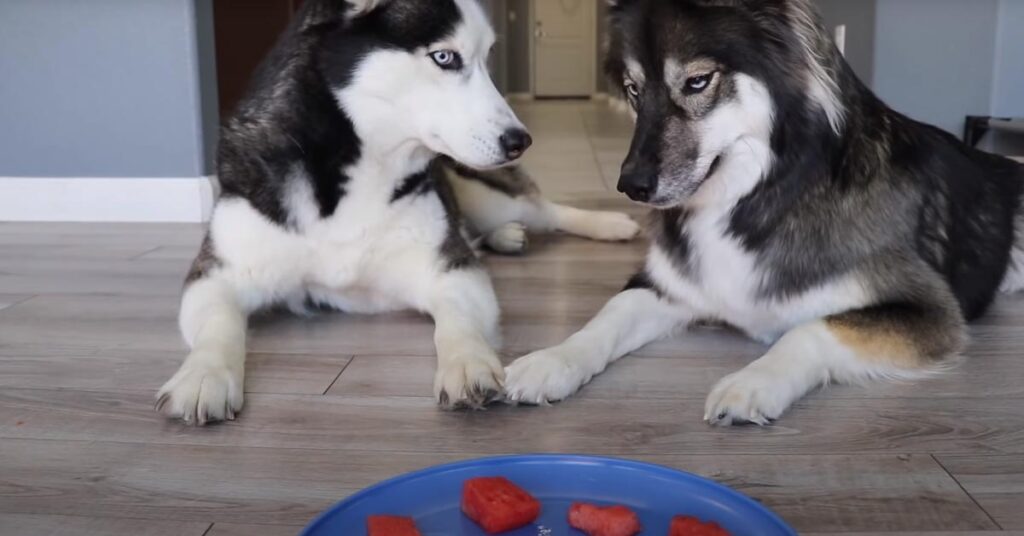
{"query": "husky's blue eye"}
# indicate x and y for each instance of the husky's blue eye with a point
(632, 90)
(698, 84)
(448, 60)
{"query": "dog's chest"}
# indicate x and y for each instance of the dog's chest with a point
(369, 242)
(721, 280)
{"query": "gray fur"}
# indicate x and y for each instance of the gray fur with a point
(512, 181)
(926, 224)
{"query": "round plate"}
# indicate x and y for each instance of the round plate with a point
(656, 493)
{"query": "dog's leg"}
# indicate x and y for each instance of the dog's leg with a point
(509, 239)
(596, 225)
(209, 385)
(465, 311)
(629, 321)
(490, 210)
(893, 341)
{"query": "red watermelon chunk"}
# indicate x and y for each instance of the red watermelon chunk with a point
(498, 505)
(691, 526)
(604, 521)
(391, 526)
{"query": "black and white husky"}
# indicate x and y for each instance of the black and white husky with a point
(792, 204)
(333, 193)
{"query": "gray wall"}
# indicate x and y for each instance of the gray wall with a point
(859, 18)
(934, 59)
(1008, 90)
(1008, 93)
(106, 88)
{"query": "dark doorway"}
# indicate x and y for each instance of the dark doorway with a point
(245, 31)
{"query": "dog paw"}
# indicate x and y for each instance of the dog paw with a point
(544, 377)
(614, 227)
(750, 396)
(200, 393)
(469, 383)
(510, 239)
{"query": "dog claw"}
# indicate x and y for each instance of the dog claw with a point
(161, 402)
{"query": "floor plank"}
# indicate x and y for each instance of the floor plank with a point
(55, 525)
(93, 333)
(996, 482)
(683, 378)
(228, 529)
(92, 276)
(100, 234)
(73, 251)
(126, 370)
(10, 300)
(232, 485)
(816, 425)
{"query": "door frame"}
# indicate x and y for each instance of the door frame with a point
(592, 48)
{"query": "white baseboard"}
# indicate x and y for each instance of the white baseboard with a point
(90, 199)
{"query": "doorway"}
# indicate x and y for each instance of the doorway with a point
(564, 48)
(245, 30)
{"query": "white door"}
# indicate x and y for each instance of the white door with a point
(565, 47)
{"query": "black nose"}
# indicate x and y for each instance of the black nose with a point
(636, 185)
(515, 142)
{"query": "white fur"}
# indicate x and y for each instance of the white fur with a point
(459, 114)
(805, 358)
(725, 285)
(821, 84)
(374, 254)
(509, 238)
(629, 321)
(490, 212)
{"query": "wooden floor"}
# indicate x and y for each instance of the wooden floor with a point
(87, 335)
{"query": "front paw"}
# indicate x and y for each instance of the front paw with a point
(510, 239)
(202, 393)
(544, 377)
(468, 383)
(750, 396)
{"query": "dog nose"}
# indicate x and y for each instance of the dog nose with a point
(515, 142)
(636, 186)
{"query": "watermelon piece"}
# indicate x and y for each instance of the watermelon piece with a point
(691, 526)
(604, 521)
(497, 504)
(391, 526)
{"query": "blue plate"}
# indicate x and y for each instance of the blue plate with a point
(656, 493)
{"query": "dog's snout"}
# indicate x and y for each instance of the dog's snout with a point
(637, 185)
(515, 142)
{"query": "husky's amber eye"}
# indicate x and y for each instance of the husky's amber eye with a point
(632, 90)
(698, 84)
(448, 60)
